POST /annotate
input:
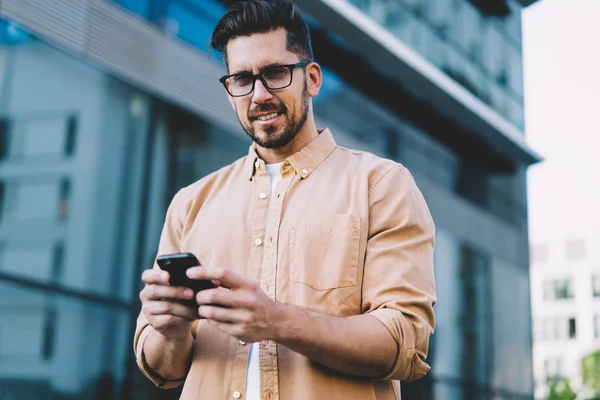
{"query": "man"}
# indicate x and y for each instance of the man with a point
(323, 255)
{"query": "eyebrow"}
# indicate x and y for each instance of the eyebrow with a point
(276, 64)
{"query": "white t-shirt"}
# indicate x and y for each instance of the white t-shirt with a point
(253, 377)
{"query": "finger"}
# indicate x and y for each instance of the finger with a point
(226, 315)
(226, 298)
(166, 321)
(228, 278)
(161, 308)
(234, 330)
(155, 276)
(159, 292)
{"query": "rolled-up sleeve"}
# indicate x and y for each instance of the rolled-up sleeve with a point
(169, 243)
(398, 283)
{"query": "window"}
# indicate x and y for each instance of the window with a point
(35, 260)
(572, 328)
(559, 289)
(575, 249)
(597, 326)
(561, 328)
(558, 328)
(552, 367)
(477, 338)
(544, 329)
(563, 289)
(37, 136)
(35, 199)
(596, 285)
(514, 66)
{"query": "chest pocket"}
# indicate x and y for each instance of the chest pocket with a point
(324, 250)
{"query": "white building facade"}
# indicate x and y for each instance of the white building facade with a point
(565, 294)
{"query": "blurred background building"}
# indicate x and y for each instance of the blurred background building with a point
(108, 107)
(563, 93)
(565, 294)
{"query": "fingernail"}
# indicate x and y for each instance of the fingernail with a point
(190, 272)
(188, 293)
(164, 276)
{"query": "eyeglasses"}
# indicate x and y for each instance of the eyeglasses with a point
(273, 78)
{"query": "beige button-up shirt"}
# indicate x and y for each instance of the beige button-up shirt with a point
(345, 233)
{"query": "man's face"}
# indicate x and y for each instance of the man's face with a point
(272, 118)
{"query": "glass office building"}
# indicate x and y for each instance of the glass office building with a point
(108, 107)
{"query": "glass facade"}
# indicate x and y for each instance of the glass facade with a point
(192, 21)
(480, 52)
(89, 163)
(480, 327)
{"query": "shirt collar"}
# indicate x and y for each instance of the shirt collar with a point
(303, 162)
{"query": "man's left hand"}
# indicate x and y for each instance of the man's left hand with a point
(237, 307)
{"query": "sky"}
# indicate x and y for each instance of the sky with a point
(561, 47)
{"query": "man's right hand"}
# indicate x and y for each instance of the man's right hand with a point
(162, 308)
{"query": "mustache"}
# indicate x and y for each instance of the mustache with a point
(263, 108)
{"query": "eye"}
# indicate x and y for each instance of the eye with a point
(241, 79)
(275, 73)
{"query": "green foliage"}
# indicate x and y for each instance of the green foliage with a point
(590, 371)
(560, 389)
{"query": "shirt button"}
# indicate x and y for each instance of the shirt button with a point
(262, 195)
(257, 165)
(304, 171)
(258, 242)
(236, 395)
(242, 342)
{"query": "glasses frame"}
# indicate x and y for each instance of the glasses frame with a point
(255, 77)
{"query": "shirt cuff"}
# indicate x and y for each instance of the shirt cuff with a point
(412, 347)
(139, 341)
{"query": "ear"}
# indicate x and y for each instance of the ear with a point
(314, 79)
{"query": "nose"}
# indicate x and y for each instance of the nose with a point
(261, 94)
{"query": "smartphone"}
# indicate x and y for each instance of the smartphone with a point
(177, 265)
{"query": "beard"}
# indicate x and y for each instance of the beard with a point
(291, 125)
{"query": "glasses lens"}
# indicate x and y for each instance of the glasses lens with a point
(240, 85)
(277, 77)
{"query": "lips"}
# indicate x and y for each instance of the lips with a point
(265, 114)
(267, 117)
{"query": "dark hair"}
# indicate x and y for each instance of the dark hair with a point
(248, 17)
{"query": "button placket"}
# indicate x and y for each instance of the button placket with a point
(268, 349)
(260, 184)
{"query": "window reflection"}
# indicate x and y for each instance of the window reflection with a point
(140, 7)
(59, 347)
(192, 21)
(480, 52)
(480, 325)
(11, 33)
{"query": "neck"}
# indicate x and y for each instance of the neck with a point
(306, 135)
